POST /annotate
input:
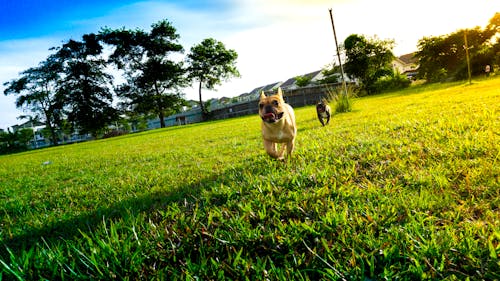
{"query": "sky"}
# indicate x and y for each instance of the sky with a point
(274, 39)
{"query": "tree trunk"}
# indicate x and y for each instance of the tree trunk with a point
(161, 115)
(52, 129)
(203, 112)
(53, 133)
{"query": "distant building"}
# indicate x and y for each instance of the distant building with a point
(291, 83)
(32, 124)
(255, 93)
(406, 64)
(183, 118)
(245, 97)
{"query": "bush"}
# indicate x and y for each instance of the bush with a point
(439, 75)
(342, 101)
(393, 82)
(114, 133)
(13, 142)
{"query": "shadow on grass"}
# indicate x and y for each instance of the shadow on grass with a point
(68, 229)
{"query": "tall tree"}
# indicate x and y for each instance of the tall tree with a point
(431, 59)
(368, 59)
(85, 86)
(210, 63)
(36, 90)
(443, 57)
(153, 78)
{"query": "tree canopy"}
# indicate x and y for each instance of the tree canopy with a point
(210, 63)
(368, 59)
(443, 57)
(85, 86)
(153, 78)
(36, 91)
(330, 74)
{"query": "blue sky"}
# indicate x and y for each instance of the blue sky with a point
(275, 39)
(21, 19)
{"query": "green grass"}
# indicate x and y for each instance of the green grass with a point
(404, 187)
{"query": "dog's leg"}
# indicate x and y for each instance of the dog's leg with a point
(270, 148)
(290, 146)
(281, 154)
(320, 118)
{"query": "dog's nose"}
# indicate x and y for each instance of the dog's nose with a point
(268, 108)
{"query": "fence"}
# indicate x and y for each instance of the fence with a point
(296, 98)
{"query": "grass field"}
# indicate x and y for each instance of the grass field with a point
(404, 187)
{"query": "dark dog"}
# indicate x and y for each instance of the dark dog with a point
(278, 125)
(323, 111)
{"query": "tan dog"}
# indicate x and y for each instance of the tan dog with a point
(278, 124)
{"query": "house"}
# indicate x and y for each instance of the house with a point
(315, 77)
(254, 94)
(271, 87)
(406, 64)
(32, 124)
(225, 100)
(37, 127)
(245, 97)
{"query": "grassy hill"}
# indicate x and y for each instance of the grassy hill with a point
(404, 187)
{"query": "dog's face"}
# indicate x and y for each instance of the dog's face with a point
(271, 109)
(321, 107)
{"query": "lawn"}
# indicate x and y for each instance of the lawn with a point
(406, 187)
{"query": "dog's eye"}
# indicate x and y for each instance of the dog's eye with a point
(275, 102)
(261, 105)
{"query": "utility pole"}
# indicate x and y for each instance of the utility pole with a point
(467, 55)
(338, 54)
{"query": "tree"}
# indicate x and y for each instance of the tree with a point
(153, 80)
(368, 59)
(303, 81)
(443, 57)
(210, 63)
(494, 29)
(17, 141)
(357, 56)
(85, 86)
(330, 74)
(36, 90)
(430, 58)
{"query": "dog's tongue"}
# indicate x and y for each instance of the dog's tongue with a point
(269, 115)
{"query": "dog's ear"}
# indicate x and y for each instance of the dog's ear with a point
(262, 95)
(280, 93)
